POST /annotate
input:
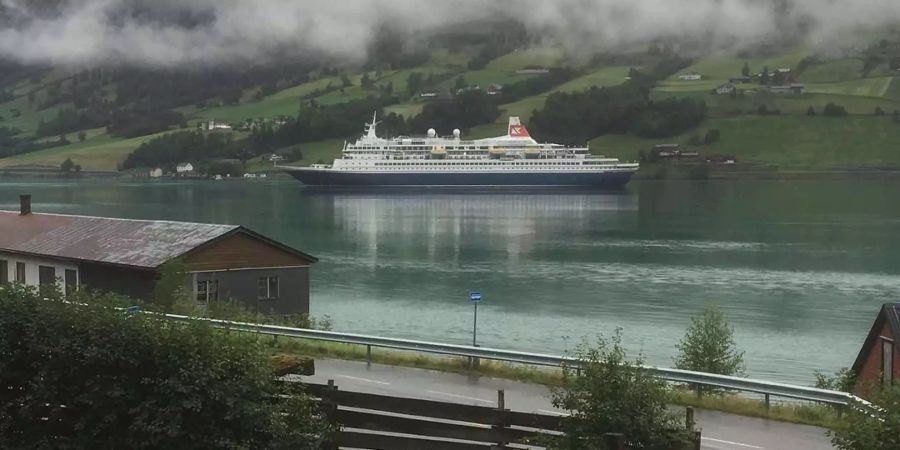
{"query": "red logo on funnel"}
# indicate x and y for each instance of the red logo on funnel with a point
(518, 131)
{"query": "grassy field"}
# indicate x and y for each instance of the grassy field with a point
(728, 106)
(406, 110)
(893, 91)
(787, 141)
(607, 76)
(99, 152)
(833, 71)
(723, 65)
(863, 87)
(519, 59)
(28, 118)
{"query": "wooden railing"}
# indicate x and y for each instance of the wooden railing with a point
(374, 421)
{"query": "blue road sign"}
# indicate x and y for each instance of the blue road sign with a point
(475, 297)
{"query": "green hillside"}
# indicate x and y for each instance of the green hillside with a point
(748, 123)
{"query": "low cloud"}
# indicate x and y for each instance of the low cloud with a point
(172, 32)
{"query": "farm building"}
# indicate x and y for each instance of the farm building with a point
(878, 362)
(127, 256)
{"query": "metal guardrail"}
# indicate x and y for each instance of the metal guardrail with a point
(767, 388)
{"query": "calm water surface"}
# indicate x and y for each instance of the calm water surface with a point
(800, 267)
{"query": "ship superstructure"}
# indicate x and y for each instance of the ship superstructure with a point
(512, 160)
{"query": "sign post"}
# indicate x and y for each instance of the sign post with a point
(475, 298)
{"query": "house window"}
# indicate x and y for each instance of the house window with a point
(267, 288)
(4, 271)
(20, 272)
(887, 362)
(207, 291)
(47, 279)
(71, 281)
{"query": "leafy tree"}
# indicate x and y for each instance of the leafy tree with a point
(834, 110)
(67, 166)
(709, 345)
(171, 286)
(810, 111)
(345, 81)
(460, 83)
(764, 76)
(842, 380)
(413, 82)
(605, 392)
(365, 81)
(879, 111)
(745, 71)
(82, 136)
(712, 136)
(865, 430)
(104, 379)
(695, 139)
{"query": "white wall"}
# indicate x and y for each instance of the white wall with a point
(32, 274)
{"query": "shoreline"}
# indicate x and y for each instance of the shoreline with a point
(651, 173)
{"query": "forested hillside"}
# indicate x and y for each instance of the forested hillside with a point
(233, 113)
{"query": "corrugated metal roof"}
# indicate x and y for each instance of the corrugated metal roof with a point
(141, 243)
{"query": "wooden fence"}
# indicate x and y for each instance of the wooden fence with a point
(381, 422)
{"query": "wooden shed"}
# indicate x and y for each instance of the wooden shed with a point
(878, 363)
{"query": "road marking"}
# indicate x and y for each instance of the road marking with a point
(365, 380)
(730, 443)
(461, 396)
(556, 413)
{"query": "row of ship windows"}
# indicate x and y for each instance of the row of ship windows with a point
(415, 147)
(491, 163)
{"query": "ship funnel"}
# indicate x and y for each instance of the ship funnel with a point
(516, 129)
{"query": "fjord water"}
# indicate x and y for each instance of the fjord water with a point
(800, 267)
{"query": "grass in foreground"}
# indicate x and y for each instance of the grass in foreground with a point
(815, 415)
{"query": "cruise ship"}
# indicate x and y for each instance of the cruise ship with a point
(512, 160)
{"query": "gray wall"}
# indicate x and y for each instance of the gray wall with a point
(131, 282)
(241, 285)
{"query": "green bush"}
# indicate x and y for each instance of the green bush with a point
(82, 375)
(864, 430)
(607, 393)
(709, 345)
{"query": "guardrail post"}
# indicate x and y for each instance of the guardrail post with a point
(369, 355)
(689, 417)
(768, 404)
(615, 441)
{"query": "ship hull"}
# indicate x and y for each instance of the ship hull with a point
(609, 180)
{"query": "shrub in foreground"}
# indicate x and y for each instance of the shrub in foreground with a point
(866, 430)
(85, 376)
(605, 392)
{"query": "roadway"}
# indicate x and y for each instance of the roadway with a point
(721, 431)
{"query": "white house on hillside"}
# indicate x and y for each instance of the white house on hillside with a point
(212, 125)
(184, 168)
(690, 76)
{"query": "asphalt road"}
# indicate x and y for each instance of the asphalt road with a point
(720, 431)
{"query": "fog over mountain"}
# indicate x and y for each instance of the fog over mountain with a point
(173, 32)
